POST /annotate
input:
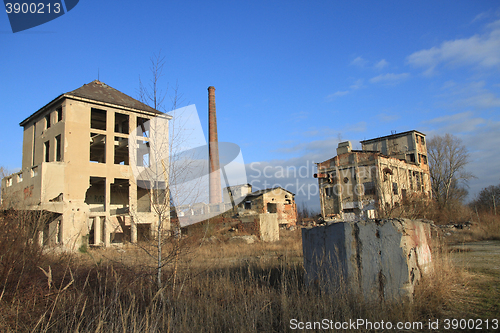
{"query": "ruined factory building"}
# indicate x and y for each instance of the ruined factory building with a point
(76, 166)
(268, 201)
(387, 172)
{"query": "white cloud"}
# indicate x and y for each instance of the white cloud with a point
(389, 78)
(357, 84)
(381, 64)
(387, 118)
(457, 123)
(480, 136)
(337, 94)
(471, 95)
(480, 50)
(359, 61)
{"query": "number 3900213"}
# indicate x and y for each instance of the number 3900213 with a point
(32, 8)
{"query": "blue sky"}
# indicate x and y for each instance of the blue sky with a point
(292, 78)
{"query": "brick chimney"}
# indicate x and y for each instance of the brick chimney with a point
(213, 153)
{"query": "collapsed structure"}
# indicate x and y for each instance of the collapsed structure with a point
(76, 166)
(385, 173)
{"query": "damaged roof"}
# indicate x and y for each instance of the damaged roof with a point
(100, 92)
(260, 192)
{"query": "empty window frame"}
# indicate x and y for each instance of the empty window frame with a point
(143, 127)
(410, 180)
(329, 191)
(33, 147)
(410, 157)
(395, 188)
(47, 121)
(59, 114)
(424, 159)
(58, 148)
(95, 196)
(143, 153)
(119, 195)
(272, 208)
(248, 205)
(98, 119)
(121, 123)
(46, 153)
(419, 183)
(97, 148)
(143, 198)
(369, 188)
(121, 151)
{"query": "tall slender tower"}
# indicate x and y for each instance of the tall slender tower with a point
(213, 153)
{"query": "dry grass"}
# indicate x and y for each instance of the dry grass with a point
(223, 287)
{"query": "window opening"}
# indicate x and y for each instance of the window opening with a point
(97, 148)
(119, 196)
(143, 153)
(272, 208)
(143, 198)
(98, 119)
(47, 151)
(143, 127)
(121, 151)
(121, 123)
(34, 136)
(369, 188)
(58, 148)
(59, 114)
(47, 121)
(95, 196)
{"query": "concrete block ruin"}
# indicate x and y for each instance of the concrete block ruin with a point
(261, 213)
(380, 260)
(265, 226)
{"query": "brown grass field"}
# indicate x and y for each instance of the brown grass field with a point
(226, 287)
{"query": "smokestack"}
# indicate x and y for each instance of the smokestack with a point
(213, 153)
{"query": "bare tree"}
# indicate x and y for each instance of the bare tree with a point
(163, 168)
(448, 158)
(488, 199)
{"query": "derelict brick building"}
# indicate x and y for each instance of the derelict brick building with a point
(388, 170)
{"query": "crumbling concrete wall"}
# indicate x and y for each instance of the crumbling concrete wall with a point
(266, 226)
(380, 260)
(269, 227)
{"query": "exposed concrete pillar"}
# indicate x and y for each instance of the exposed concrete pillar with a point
(132, 200)
(107, 218)
(133, 230)
(107, 231)
(40, 238)
(97, 230)
(214, 179)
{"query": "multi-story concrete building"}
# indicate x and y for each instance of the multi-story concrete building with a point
(387, 172)
(76, 165)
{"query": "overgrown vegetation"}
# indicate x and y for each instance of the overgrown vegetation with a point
(222, 287)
